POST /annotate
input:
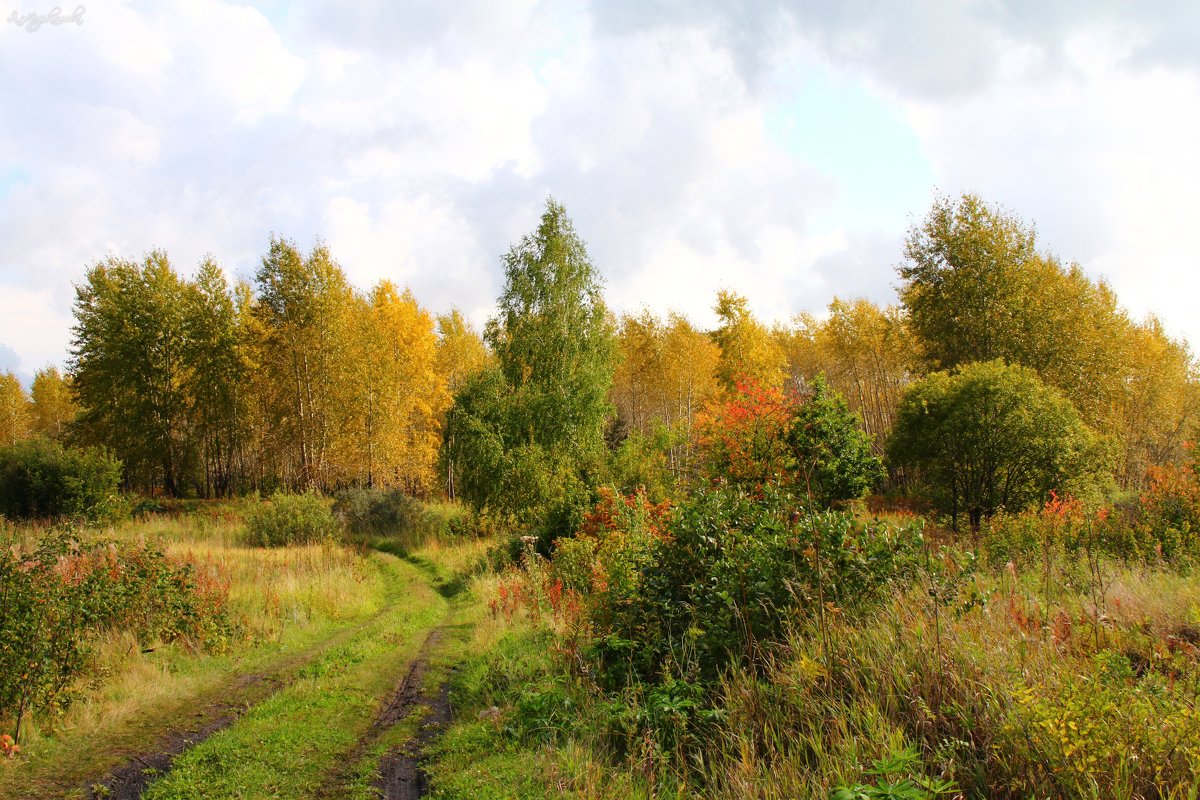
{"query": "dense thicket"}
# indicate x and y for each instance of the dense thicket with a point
(40, 478)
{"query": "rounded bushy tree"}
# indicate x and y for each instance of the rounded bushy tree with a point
(990, 436)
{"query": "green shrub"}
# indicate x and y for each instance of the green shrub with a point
(732, 574)
(60, 597)
(574, 561)
(641, 462)
(1069, 537)
(406, 522)
(899, 776)
(292, 519)
(1109, 733)
(380, 512)
(831, 450)
(42, 479)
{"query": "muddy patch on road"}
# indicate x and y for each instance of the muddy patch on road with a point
(400, 776)
(131, 779)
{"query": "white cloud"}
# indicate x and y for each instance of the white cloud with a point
(420, 139)
(1101, 157)
(34, 326)
(419, 243)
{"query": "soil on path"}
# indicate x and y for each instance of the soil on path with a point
(131, 779)
(400, 776)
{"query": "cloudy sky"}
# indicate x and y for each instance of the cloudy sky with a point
(779, 150)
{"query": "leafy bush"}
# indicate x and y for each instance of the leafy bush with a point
(379, 512)
(1065, 530)
(898, 777)
(575, 563)
(831, 450)
(60, 597)
(1106, 731)
(546, 493)
(811, 442)
(1170, 511)
(991, 436)
(42, 479)
(619, 535)
(641, 461)
(399, 523)
(727, 579)
(292, 519)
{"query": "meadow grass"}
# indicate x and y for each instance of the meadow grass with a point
(1011, 697)
(284, 602)
(997, 689)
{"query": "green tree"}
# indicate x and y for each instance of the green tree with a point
(129, 367)
(832, 453)
(988, 436)
(40, 479)
(964, 281)
(475, 442)
(977, 288)
(553, 338)
(461, 356)
(536, 423)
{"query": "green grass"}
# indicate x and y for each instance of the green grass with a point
(492, 659)
(287, 745)
(290, 602)
(472, 761)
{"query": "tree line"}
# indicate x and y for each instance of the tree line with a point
(294, 381)
(297, 379)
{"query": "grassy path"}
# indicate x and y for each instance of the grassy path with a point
(287, 745)
(297, 700)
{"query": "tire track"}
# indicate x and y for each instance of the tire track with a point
(400, 776)
(131, 779)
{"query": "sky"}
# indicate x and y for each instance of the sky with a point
(778, 150)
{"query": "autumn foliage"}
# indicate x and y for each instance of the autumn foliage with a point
(744, 436)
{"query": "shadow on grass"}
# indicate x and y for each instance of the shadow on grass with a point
(448, 585)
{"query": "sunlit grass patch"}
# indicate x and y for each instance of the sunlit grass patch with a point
(289, 744)
(282, 601)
